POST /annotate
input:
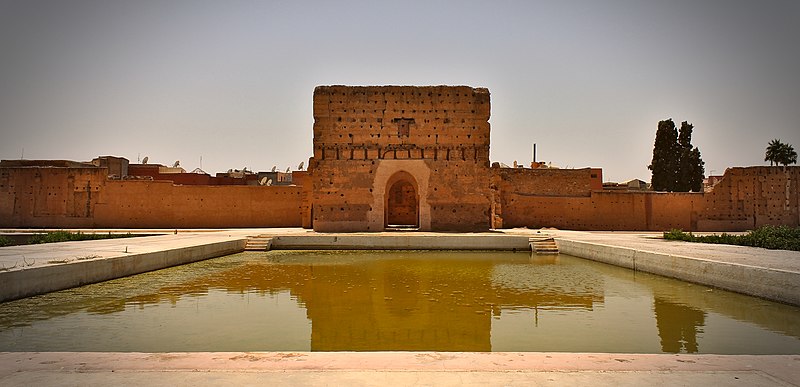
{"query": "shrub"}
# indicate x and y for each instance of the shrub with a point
(67, 236)
(5, 241)
(768, 237)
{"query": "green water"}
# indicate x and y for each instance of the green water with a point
(399, 301)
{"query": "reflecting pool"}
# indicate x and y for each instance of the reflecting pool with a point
(399, 301)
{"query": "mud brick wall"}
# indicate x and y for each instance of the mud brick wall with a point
(750, 197)
(549, 182)
(50, 196)
(569, 199)
(746, 198)
(160, 204)
(366, 138)
(84, 198)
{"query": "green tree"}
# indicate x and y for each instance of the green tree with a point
(779, 153)
(690, 165)
(695, 172)
(665, 157)
(677, 166)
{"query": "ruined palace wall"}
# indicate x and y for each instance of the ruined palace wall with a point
(565, 198)
(83, 197)
(603, 211)
(751, 197)
(43, 196)
(746, 198)
(438, 135)
(161, 204)
(547, 182)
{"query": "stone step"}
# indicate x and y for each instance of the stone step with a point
(544, 245)
(258, 243)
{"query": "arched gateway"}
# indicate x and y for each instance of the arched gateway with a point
(408, 156)
(402, 202)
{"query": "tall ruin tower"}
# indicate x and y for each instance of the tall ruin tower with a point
(408, 156)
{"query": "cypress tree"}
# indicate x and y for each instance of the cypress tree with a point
(696, 171)
(676, 165)
(665, 157)
(691, 170)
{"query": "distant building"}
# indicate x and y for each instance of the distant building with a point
(636, 185)
(710, 182)
(117, 166)
(629, 185)
(278, 178)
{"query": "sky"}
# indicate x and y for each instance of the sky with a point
(229, 84)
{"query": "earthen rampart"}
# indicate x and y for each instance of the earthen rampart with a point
(750, 197)
(84, 197)
(387, 157)
(365, 138)
(746, 198)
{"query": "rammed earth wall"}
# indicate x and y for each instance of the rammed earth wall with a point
(85, 198)
(417, 156)
(366, 139)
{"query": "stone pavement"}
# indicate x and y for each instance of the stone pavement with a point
(652, 241)
(395, 368)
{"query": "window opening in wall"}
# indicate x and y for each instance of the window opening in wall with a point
(403, 126)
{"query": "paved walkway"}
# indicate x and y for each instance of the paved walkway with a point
(395, 368)
(32, 256)
(652, 241)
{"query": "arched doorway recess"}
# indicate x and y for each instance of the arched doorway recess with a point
(402, 202)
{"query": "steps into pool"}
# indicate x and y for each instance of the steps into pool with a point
(544, 245)
(258, 243)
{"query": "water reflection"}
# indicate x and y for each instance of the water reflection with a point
(403, 302)
(369, 301)
(678, 326)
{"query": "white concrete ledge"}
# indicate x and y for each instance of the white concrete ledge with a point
(771, 284)
(401, 242)
(45, 278)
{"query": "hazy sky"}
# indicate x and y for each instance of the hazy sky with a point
(232, 81)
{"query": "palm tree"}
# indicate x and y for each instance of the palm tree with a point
(780, 153)
(773, 150)
(789, 156)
